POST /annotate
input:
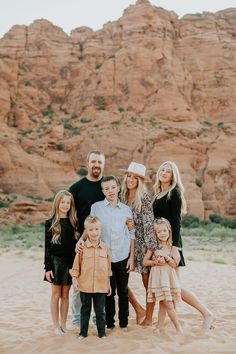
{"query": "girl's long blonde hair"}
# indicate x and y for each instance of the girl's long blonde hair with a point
(56, 227)
(163, 221)
(141, 189)
(175, 183)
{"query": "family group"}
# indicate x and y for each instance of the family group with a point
(99, 231)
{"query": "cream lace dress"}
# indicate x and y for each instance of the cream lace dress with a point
(163, 284)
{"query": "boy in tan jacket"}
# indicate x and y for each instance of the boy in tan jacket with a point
(91, 273)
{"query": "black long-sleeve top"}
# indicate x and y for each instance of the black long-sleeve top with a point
(85, 194)
(66, 247)
(170, 209)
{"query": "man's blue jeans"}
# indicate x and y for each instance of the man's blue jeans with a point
(75, 307)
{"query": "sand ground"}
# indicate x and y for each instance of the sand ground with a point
(25, 324)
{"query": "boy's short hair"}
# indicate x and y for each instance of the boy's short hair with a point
(91, 219)
(110, 178)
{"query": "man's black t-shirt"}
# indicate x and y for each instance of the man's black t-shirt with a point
(85, 193)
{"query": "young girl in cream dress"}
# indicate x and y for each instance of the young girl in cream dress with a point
(163, 284)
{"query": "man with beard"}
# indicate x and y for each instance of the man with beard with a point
(86, 192)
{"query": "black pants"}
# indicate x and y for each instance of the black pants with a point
(99, 308)
(119, 282)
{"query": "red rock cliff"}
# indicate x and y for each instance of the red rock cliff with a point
(148, 87)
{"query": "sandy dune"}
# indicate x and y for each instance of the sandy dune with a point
(25, 324)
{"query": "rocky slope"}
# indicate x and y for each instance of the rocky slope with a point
(148, 87)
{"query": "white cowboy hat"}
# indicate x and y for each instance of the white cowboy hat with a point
(137, 169)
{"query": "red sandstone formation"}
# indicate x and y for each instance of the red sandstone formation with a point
(148, 87)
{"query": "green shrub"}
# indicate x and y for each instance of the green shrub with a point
(85, 120)
(217, 219)
(74, 115)
(68, 126)
(231, 223)
(100, 102)
(34, 197)
(22, 236)
(198, 182)
(49, 199)
(4, 204)
(189, 220)
(28, 83)
(221, 125)
(83, 171)
(120, 109)
(15, 229)
(206, 122)
(63, 109)
(219, 261)
(76, 131)
(25, 132)
(59, 146)
(48, 112)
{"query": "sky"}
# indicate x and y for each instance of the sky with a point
(69, 14)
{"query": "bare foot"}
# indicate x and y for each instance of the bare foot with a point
(159, 330)
(146, 322)
(179, 329)
(140, 315)
(57, 331)
(208, 321)
(156, 330)
(63, 329)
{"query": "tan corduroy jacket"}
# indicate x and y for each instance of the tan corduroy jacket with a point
(92, 268)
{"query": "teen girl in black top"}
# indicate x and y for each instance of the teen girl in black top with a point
(60, 241)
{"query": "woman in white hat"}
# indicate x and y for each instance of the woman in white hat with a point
(134, 194)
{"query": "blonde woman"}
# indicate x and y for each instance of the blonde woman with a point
(60, 241)
(134, 194)
(169, 203)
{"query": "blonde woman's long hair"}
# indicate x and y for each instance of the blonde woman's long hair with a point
(175, 183)
(163, 221)
(56, 227)
(141, 189)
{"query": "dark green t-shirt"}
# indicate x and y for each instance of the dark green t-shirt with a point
(85, 193)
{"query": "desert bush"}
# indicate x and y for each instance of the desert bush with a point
(4, 204)
(48, 112)
(22, 236)
(100, 102)
(59, 146)
(85, 120)
(28, 83)
(189, 220)
(220, 125)
(73, 115)
(198, 182)
(83, 171)
(217, 219)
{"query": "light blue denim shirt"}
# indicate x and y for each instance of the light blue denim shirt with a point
(115, 233)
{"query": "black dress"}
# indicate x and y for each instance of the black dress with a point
(170, 209)
(59, 257)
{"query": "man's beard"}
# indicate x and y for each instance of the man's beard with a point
(96, 172)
